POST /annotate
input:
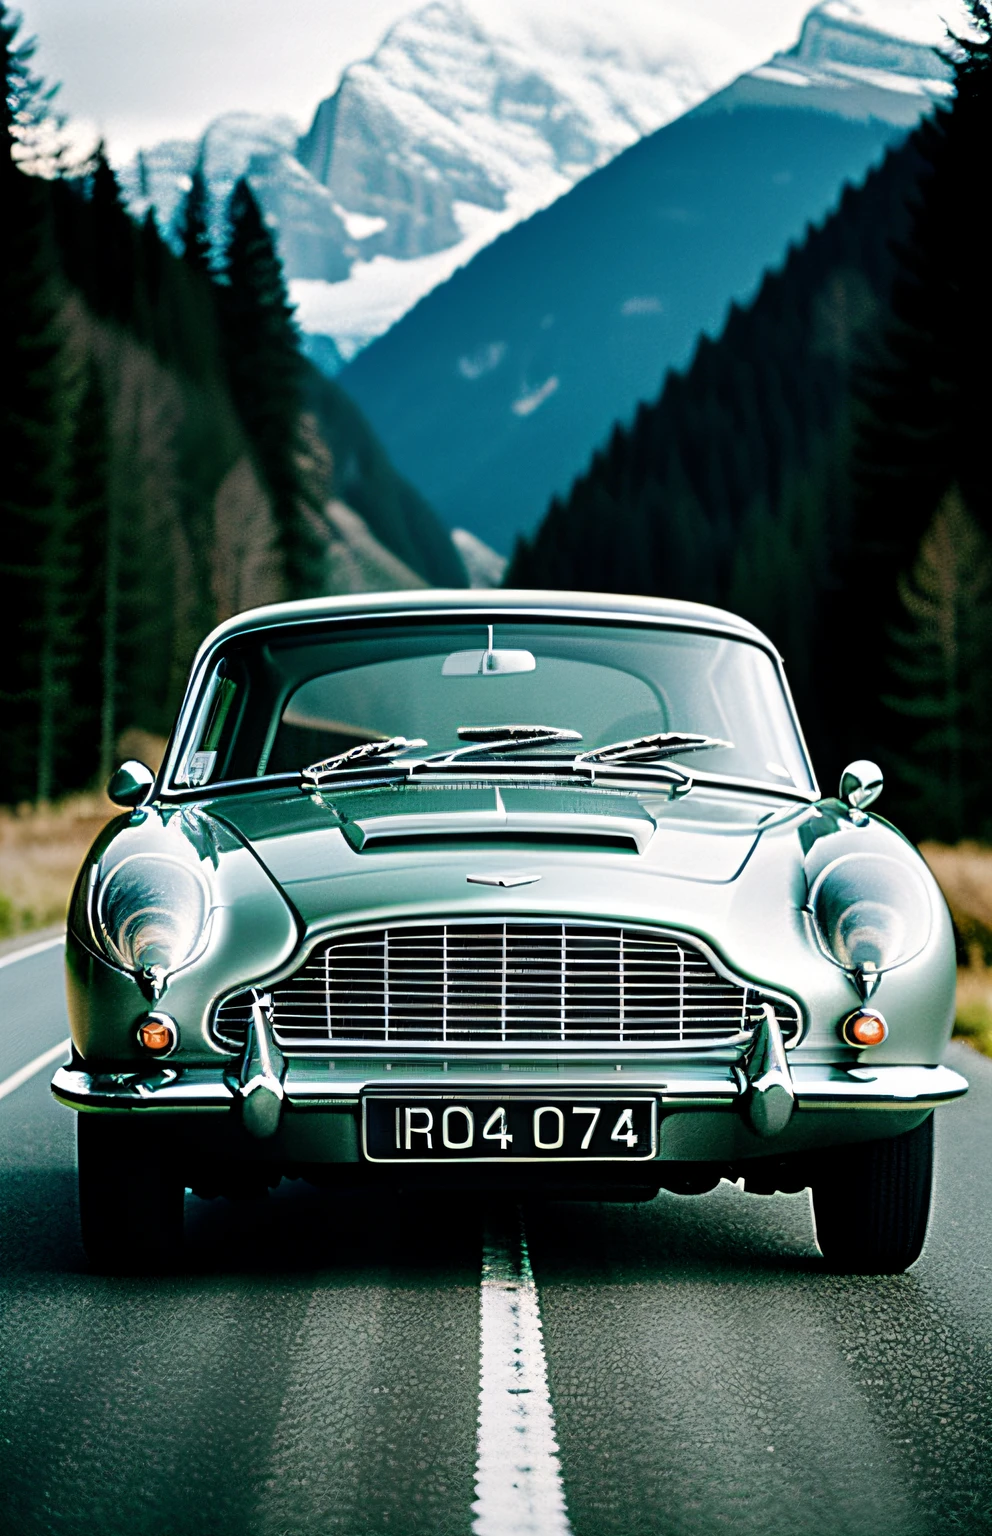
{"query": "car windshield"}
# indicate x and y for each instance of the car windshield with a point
(278, 700)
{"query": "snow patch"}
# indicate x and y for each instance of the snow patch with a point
(643, 304)
(526, 405)
(482, 361)
(381, 290)
(780, 76)
(485, 568)
(360, 225)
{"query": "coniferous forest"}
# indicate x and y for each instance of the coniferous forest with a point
(167, 456)
(822, 468)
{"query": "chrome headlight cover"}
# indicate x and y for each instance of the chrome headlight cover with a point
(870, 912)
(151, 914)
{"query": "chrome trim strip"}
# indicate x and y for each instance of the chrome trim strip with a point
(836, 1087)
(135, 1091)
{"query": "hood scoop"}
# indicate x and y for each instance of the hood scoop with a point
(578, 819)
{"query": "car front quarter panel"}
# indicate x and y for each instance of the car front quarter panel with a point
(770, 933)
(251, 930)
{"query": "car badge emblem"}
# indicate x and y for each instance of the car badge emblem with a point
(504, 880)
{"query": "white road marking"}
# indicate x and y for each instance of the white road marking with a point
(23, 1074)
(32, 949)
(517, 1477)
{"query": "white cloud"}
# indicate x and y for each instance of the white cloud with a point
(139, 71)
(143, 70)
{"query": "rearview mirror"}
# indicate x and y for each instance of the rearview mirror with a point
(488, 662)
(861, 783)
(131, 784)
(475, 663)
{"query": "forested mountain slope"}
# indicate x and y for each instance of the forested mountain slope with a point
(734, 486)
(167, 459)
(364, 479)
(822, 468)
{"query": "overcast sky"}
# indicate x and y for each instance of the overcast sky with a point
(138, 71)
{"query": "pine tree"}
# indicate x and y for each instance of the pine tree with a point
(924, 408)
(920, 439)
(31, 457)
(193, 222)
(265, 370)
(111, 281)
(85, 551)
(33, 137)
(940, 661)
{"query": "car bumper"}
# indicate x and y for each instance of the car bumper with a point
(706, 1111)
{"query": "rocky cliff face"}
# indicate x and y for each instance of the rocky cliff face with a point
(448, 113)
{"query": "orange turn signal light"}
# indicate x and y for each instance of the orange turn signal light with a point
(158, 1033)
(864, 1028)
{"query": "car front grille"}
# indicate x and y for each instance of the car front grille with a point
(512, 984)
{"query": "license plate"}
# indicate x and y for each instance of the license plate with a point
(444, 1128)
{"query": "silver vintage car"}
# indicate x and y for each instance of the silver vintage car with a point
(513, 891)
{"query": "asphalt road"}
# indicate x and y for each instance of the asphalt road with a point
(317, 1368)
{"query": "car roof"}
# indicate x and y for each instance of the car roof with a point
(488, 603)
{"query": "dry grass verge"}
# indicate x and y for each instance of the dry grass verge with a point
(964, 874)
(41, 848)
(974, 1016)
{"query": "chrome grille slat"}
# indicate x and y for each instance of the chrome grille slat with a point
(506, 983)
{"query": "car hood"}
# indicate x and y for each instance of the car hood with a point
(309, 844)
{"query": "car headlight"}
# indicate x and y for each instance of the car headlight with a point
(152, 914)
(870, 912)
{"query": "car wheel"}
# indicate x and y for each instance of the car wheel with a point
(871, 1203)
(130, 1201)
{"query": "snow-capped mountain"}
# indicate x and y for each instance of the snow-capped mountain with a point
(492, 392)
(469, 116)
(466, 120)
(473, 114)
(859, 60)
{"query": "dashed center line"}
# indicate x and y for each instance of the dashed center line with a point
(518, 1482)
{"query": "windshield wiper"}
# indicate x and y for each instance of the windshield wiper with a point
(357, 757)
(503, 738)
(368, 762)
(650, 749)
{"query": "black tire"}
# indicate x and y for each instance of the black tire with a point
(130, 1201)
(871, 1203)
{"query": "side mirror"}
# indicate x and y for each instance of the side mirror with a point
(861, 784)
(131, 784)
